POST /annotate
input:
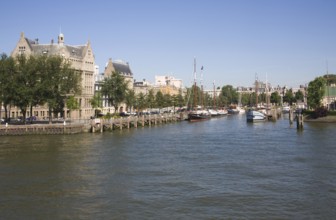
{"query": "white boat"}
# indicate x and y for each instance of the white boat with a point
(222, 112)
(241, 110)
(213, 113)
(285, 109)
(217, 113)
(255, 116)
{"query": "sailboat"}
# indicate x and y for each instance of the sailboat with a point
(239, 107)
(214, 111)
(198, 113)
(253, 115)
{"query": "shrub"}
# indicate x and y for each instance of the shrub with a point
(320, 112)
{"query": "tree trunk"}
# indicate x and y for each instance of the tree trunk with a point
(50, 116)
(31, 114)
(6, 115)
(24, 112)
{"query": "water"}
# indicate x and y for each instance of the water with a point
(217, 169)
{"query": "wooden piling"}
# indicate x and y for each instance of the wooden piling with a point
(299, 121)
(291, 116)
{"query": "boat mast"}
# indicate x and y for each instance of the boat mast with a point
(195, 90)
(268, 101)
(256, 89)
(214, 98)
(202, 95)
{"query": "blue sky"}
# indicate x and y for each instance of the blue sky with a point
(289, 41)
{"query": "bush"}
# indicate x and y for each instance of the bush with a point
(333, 113)
(320, 112)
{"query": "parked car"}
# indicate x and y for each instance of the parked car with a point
(124, 114)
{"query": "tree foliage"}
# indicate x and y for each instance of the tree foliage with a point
(159, 99)
(130, 99)
(35, 80)
(7, 82)
(150, 99)
(275, 98)
(115, 88)
(289, 97)
(330, 79)
(228, 95)
(316, 90)
(299, 95)
(140, 102)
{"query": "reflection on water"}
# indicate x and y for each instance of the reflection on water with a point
(221, 168)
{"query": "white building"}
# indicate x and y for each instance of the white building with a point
(168, 81)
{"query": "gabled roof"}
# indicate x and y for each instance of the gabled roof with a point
(122, 68)
(77, 52)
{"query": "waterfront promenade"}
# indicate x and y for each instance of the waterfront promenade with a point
(93, 125)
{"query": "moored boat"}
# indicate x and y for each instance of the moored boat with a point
(285, 109)
(255, 116)
(199, 115)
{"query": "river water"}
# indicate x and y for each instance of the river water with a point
(218, 169)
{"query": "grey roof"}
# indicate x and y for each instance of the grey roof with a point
(54, 49)
(124, 69)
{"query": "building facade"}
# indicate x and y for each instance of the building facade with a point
(81, 58)
(117, 66)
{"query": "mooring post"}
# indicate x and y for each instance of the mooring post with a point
(135, 121)
(64, 128)
(291, 116)
(299, 121)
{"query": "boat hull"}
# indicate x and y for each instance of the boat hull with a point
(255, 116)
(198, 116)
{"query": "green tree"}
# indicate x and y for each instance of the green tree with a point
(7, 87)
(316, 90)
(262, 98)
(159, 100)
(96, 102)
(289, 97)
(25, 79)
(58, 81)
(167, 100)
(245, 99)
(299, 95)
(72, 104)
(140, 102)
(275, 98)
(130, 99)
(208, 101)
(230, 95)
(150, 98)
(179, 101)
(115, 89)
(194, 96)
(253, 99)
